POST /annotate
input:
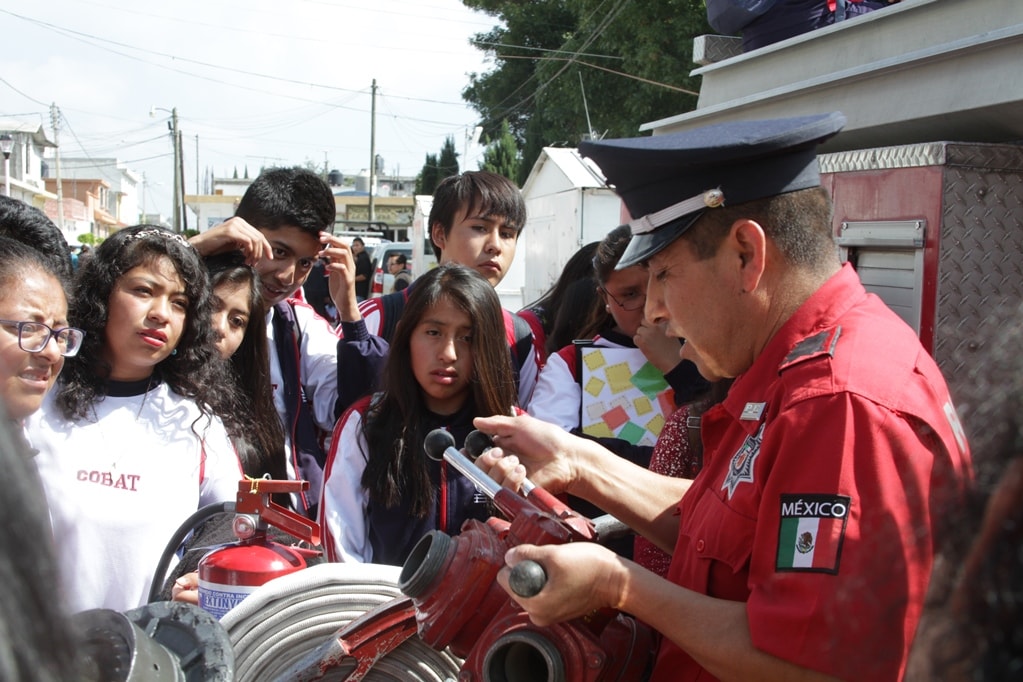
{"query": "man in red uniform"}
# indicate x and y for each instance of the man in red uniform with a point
(803, 549)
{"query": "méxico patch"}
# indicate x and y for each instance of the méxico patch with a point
(811, 532)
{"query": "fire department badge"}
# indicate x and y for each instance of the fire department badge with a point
(741, 468)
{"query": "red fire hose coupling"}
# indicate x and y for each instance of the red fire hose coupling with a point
(460, 605)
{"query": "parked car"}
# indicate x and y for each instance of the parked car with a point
(383, 280)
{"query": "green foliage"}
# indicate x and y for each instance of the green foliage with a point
(436, 168)
(502, 154)
(448, 163)
(621, 63)
(428, 178)
(87, 238)
(189, 233)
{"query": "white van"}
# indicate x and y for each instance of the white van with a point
(383, 280)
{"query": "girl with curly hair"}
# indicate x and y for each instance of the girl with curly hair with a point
(130, 441)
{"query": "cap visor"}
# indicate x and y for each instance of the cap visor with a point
(642, 246)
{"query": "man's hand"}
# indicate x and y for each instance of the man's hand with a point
(582, 577)
(233, 235)
(544, 452)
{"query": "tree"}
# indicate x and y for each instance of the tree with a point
(567, 65)
(428, 178)
(448, 163)
(502, 154)
(437, 168)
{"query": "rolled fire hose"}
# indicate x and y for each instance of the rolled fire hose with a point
(282, 621)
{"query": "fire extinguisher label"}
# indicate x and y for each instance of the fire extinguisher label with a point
(219, 599)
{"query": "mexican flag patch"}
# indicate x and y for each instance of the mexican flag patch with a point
(811, 532)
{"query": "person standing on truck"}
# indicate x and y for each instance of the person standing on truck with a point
(764, 23)
(803, 549)
(475, 221)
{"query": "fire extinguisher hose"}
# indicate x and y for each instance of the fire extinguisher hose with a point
(285, 619)
(187, 526)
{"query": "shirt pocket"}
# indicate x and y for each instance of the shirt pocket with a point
(718, 542)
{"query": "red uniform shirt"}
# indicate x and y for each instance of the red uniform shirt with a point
(828, 468)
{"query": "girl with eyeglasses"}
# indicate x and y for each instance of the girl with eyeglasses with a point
(34, 333)
(130, 441)
(34, 340)
(619, 381)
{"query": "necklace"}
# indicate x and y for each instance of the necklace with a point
(129, 389)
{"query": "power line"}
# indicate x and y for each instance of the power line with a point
(291, 81)
(89, 36)
(28, 97)
(612, 71)
(544, 49)
(608, 17)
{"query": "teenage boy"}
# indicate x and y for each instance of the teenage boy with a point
(283, 225)
(475, 221)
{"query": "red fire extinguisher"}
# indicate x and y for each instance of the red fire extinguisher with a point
(231, 572)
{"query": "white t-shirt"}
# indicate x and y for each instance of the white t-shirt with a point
(120, 484)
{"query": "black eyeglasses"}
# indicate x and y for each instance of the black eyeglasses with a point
(33, 337)
(631, 301)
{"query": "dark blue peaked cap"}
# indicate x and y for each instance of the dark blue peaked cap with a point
(668, 181)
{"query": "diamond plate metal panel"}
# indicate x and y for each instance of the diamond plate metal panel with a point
(985, 156)
(980, 264)
(991, 157)
(975, 278)
(884, 158)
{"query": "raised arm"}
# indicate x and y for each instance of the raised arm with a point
(561, 462)
(233, 235)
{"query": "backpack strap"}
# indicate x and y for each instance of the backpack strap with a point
(577, 370)
(519, 335)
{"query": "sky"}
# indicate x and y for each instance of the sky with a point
(255, 83)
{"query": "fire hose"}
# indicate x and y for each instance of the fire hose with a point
(290, 617)
(454, 603)
(351, 622)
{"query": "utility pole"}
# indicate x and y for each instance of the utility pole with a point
(176, 139)
(55, 122)
(373, 153)
(181, 161)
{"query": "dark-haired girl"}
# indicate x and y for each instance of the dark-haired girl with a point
(239, 324)
(448, 364)
(130, 441)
